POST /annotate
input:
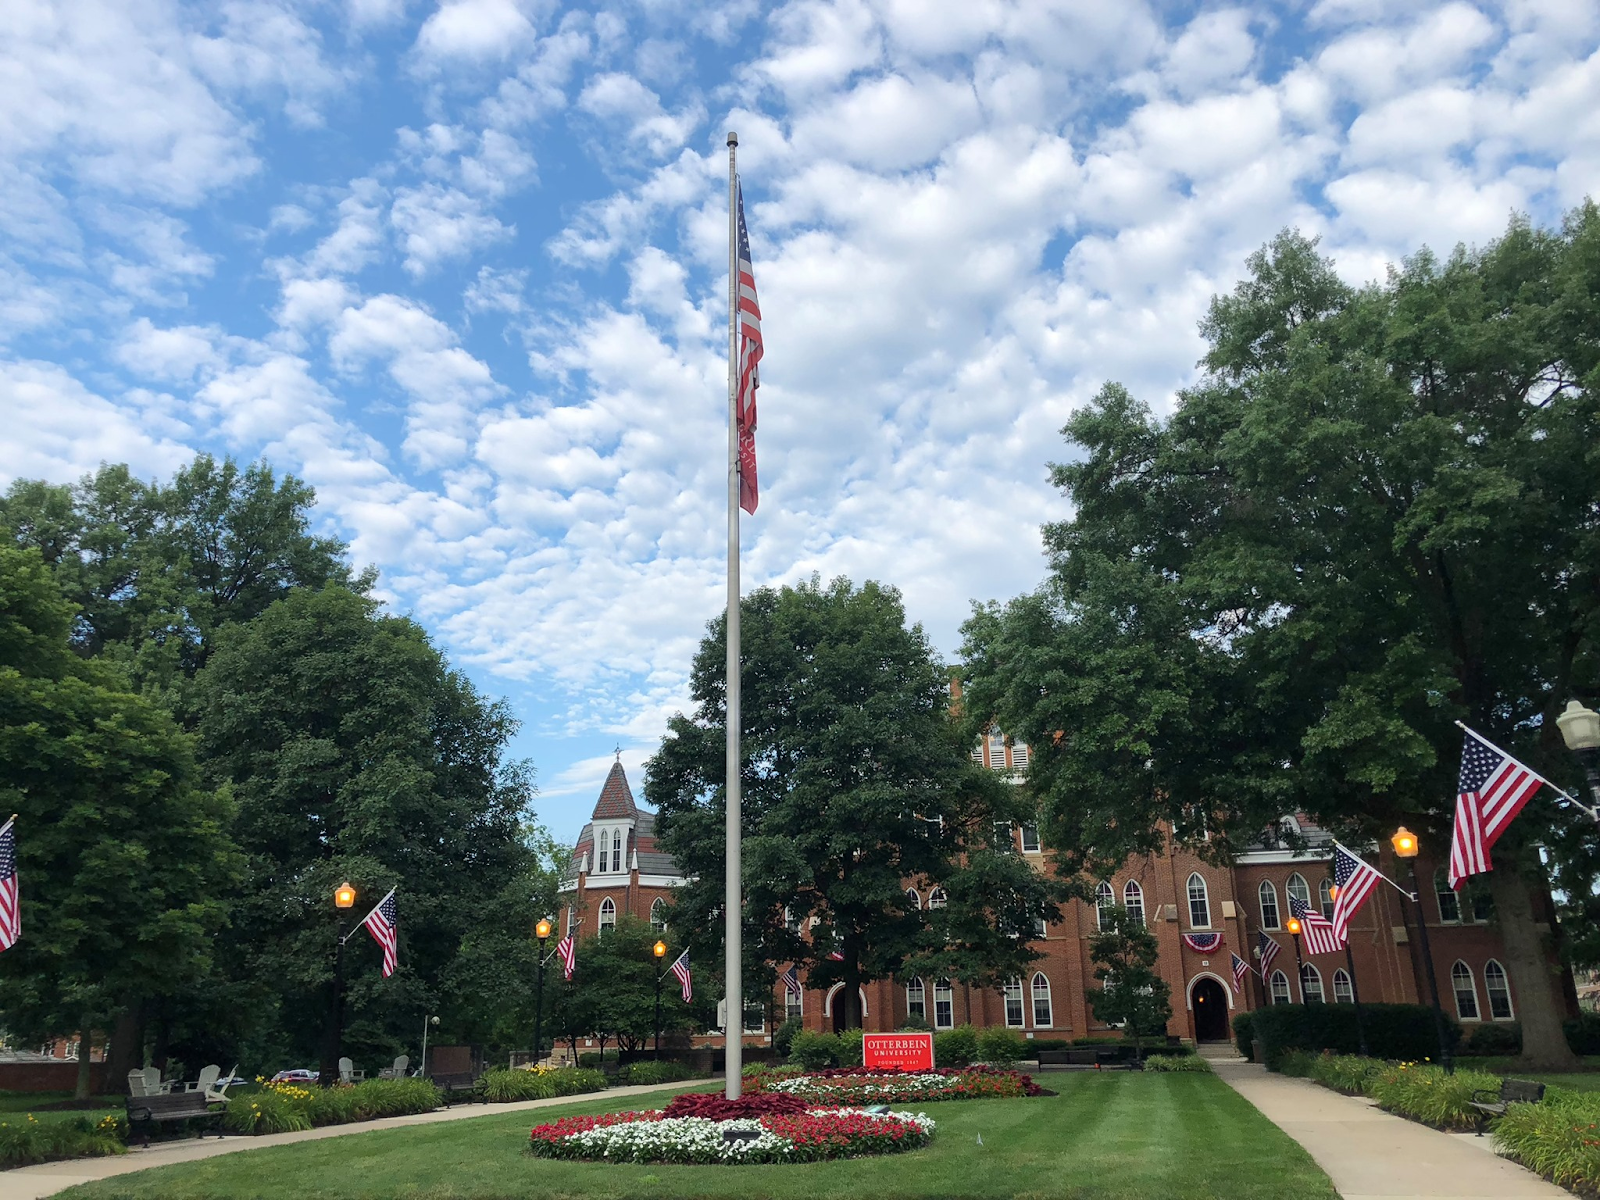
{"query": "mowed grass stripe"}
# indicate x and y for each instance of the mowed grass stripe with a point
(1107, 1136)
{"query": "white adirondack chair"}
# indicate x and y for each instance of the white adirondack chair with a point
(152, 1082)
(346, 1071)
(136, 1082)
(397, 1071)
(208, 1078)
(220, 1093)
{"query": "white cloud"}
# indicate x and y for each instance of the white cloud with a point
(471, 31)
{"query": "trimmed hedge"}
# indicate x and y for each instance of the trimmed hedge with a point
(1395, 1031)
(651, 1072)
(1244, 1035)
(1583, 1033)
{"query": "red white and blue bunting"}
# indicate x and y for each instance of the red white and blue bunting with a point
(1203, 943)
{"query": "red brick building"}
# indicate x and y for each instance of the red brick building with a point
(618, 869)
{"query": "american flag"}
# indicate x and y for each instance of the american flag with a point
(384, 926)
(1315, 928)
(1266, 951)
(1240, 970)
(568, 950)
(835, 956)
(750, 350)
(10, 905)
(791, 981)
(680, 968)
(1493, 788)
(1354, 881)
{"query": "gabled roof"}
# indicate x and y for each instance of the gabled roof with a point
(616, 798)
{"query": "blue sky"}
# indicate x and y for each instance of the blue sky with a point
(462, 266)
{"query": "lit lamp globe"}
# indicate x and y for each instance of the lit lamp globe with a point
(1404, 843)
(1293, 925)
(344, 896)
(659, 949)
(1580, 728)
(542, 930)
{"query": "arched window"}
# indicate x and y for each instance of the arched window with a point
(1298, 889)
(790, 921)
(1325, 895)
(1466, 991)
(1449, 903)
(794, 1004)
(915, 898)
(1030, 838)
(937, 898)
(1269, 904)
(916, 1000)
(572, 920)
(1133, 901)
(1499, 989)
(658, 915)
(608, 915)
(1310, 984)
(1104, 901)
(1199, 903)
(1343, 993)
(616, 849)
(1012, 992)
(1280, 988)
(944, 1005)
(1043, 1017)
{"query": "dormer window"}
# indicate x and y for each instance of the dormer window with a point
(616, 850)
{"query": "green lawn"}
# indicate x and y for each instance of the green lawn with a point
(22, 1103)
(1588, 1081)
(1106, 1135)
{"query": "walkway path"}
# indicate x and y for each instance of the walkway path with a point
(1370, 1154)
(46, 1179)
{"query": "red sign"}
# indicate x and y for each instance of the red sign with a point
(898, 1051)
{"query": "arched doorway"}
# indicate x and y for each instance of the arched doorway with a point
(1210, 1004)
(833, 1007)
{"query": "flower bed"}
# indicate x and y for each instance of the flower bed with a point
(654, 1137)
(876, 1085)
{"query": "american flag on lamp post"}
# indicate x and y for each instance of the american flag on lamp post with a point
(384, 925)
(790, 981)
(750, 351)
(680, 968)
(568, 950)
(1317, 930)
(1492, 789)
(10, 898)
(1266, 951)
(1240, 970)
(1353, 882)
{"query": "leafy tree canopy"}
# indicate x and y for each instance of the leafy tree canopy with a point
(856, 782)
(1132, 992)
(1375, 514)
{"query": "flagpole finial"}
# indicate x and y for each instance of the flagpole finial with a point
(733, 138)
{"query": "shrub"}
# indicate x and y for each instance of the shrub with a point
(956, 1047)
(376, 1098)
(1495, 1039)
(573, 1081)
(593, 1060)
(1244, 1035)
(1395, 1031)
(1038, 1044)
(1001, 1046)
(915, 1024)
(1557, 1138)
(332, 1106)
(850, 1048)
(783, 1036)
(1296, 1063)
(25, 1140)
(1583, 1033)
(502, 1086)
(813, 1051)
(662, 1072)
(267, 1111)
(1177, 1062)
(1347, 1073)
(1428, 1095)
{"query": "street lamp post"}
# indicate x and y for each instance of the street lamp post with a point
(344, 896)
(1405, 846)
(1355, 990)
(542, 932)
(660, 951)
(1580, 729)
(422, 1071)
(1293, 926)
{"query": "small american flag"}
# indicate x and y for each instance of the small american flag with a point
(1354, 881)
(1240, 970)
(1315, 928)
(791, 981)
(1492, 790)
(835, 956)
(10, 904)
(384, 926)
(680, 968)
(750, 351)
(1266, 951)
(568, 950)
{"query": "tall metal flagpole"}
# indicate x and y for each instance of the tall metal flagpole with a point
(733, 898)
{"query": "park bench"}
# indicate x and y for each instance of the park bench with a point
(459, 1085)
(1490, 1103)
(144, 1111)
(1079, 1056)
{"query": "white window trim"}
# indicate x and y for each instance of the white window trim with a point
(1309, 971)
(1438, 903)
(949, 988)
(1105, 899)
(922, 992)
(1022, 1007)
(1305, 889)
(659, 904)
(1205, 898)
(1049, 1001)
(1268, 888)
(938, 898)
(1131, 889)
(608, 905)
(1472, 985)
(1036, 847)
(916, 897)
(1272, 987)
(1338, 974)
(1505, 979)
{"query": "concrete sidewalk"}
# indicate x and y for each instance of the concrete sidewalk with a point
(46, 1179)
(1370, 1154)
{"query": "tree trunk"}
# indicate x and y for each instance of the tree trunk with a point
(1534, 975)
(80, 1089)
(126, 1051)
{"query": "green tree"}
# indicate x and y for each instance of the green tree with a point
(614, 987)
(1374, 515)
(1131, 992)
(122, 856)
(355, 753)
(856, 783)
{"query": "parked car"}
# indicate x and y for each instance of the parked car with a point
(296, 1075)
